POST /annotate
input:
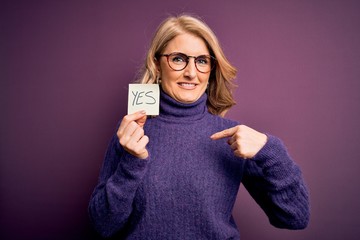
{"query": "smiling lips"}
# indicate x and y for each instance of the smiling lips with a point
(188, 86)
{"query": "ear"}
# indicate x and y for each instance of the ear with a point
(157, 63)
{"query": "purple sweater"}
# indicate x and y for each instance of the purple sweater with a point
(187, 187)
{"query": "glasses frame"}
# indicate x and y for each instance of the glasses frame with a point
(212, 61)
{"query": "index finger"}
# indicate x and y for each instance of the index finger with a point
(223, 134)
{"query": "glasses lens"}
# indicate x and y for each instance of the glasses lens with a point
(203, 63)
(177, 61)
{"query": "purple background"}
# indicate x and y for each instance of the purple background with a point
(65, 66)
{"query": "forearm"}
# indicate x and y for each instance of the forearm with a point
(276, 183)
(112, 200)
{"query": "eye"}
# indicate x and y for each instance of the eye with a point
(203, 60)
(178, 58)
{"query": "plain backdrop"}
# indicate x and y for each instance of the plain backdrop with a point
(64, 71)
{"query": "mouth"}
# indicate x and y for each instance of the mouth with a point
(186, 85)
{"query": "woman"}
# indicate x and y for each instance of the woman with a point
(176, 175)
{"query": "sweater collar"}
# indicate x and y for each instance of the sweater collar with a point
(172, 109)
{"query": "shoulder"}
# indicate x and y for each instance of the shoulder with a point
(222, 122)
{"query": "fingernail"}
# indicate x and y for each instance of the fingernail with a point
(143, 112)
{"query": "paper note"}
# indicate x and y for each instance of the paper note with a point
(144, 97)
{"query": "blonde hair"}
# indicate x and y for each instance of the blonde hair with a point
(220, 98)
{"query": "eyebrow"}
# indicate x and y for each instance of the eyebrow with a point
(205, 54)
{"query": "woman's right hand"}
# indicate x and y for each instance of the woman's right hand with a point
(131, 134)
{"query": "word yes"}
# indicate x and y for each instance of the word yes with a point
(143, 97)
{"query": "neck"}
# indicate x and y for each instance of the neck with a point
(172, 109)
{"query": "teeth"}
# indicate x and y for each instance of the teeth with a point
(187, 84)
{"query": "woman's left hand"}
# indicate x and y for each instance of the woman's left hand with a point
(243, 140)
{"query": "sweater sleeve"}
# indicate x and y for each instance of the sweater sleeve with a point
(111, 203)
(276, 183)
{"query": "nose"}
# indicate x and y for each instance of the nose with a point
(190, 70)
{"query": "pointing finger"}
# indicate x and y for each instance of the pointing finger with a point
(225, 133)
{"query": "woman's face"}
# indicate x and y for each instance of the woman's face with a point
(187, 85)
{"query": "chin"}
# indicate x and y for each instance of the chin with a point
(188, 99)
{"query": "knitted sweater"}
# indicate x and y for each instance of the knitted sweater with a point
(186, 188)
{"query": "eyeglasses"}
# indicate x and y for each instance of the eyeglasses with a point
(178, 61)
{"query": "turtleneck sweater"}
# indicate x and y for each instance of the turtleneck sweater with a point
(186, 188)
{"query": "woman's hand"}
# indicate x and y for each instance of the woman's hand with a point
(244, 141)
(131, 134)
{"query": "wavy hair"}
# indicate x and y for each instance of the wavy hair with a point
(220, 98)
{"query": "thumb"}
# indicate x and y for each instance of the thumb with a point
(141, 121)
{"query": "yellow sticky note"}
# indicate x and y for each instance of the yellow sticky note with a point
(144, 97)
